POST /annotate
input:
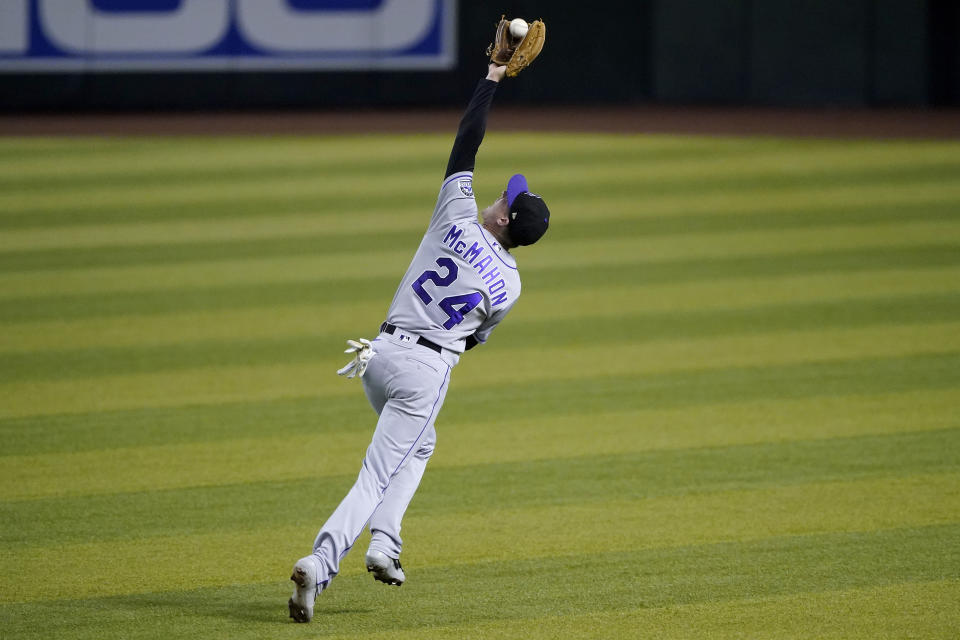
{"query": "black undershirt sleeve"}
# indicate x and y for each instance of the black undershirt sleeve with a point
(469, 136)
(472, 127)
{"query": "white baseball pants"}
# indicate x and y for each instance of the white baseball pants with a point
(406, 384)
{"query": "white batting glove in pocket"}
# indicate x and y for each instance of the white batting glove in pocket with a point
(363, 352)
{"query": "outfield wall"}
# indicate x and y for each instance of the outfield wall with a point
(229, 54)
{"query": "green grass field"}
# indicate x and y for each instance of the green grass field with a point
(726, 406)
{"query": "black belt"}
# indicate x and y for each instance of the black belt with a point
(386, 327)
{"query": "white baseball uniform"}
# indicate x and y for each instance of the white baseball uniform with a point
(460, 284)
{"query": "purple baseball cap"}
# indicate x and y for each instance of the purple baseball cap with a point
(516, 185)
(529, 216)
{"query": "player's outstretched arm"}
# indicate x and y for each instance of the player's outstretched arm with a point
(474, 122)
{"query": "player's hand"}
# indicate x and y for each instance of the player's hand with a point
(496, 72)
(363, 352)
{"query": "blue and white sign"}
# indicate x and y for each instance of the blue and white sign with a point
(226, 35)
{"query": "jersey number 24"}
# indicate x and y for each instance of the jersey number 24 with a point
(456, 307)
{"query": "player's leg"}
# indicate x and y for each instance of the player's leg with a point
(385, 523)
(311, 574)
(383, 555)
(415, 392)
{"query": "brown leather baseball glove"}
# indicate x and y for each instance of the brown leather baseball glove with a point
(517, 53)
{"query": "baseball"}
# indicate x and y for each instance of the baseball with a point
(518, 28)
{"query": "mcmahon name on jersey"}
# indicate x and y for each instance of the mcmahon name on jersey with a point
(482, 261)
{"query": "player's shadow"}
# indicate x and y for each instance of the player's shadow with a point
(243, 603)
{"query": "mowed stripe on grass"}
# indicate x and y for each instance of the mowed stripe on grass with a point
(632, 475)
(651, 305)
(379, 262)
(733, 359)
(898, 611)
(723, 576)
(52, 474)
(934, 352)
(466, 538)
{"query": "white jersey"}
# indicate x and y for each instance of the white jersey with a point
(461, 282)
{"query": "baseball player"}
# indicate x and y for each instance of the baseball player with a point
(461, 283)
